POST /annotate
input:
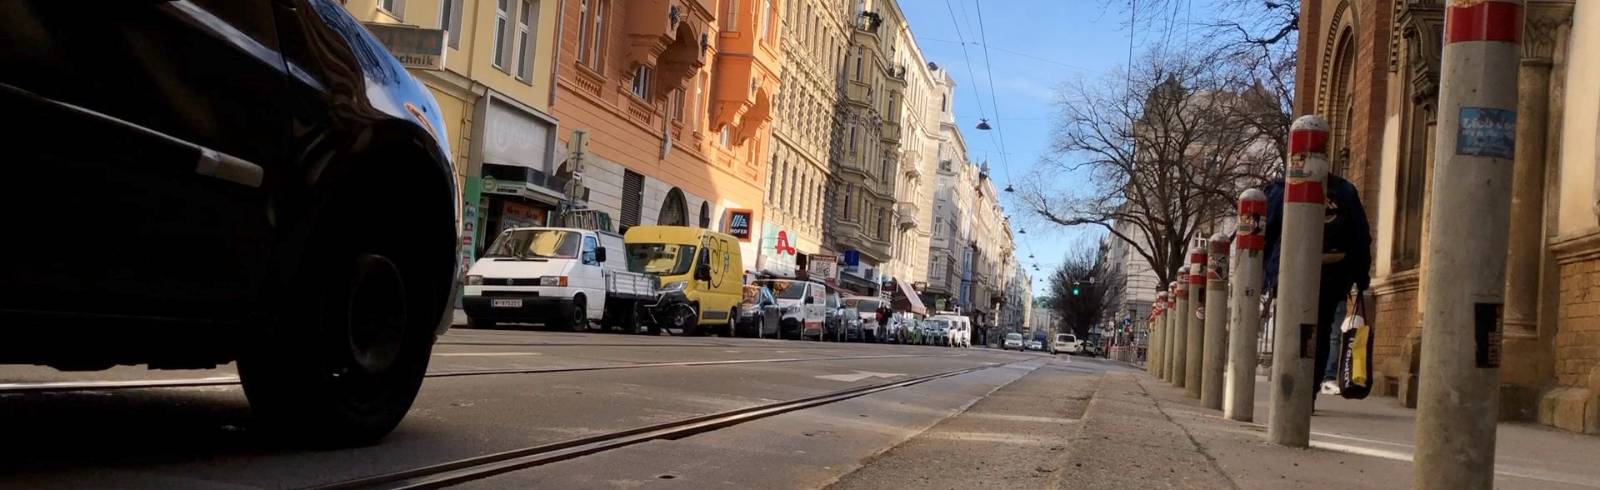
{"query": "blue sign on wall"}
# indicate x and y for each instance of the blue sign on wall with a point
(1487, 132)
(852, 258)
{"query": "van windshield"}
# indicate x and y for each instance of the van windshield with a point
(785, 289)
(536, 244)
(1013, 336)
(1065, 338)
(660, 258)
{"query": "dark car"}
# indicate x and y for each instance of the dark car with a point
(759, 312)
(193, 183)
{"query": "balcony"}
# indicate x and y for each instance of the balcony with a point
(891, 131)
(909, 216)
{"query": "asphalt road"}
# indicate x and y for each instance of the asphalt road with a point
(498, 390)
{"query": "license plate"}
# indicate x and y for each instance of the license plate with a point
(506, 303)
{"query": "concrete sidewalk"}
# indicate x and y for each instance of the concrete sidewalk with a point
(1139, 432)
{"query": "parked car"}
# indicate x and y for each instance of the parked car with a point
(701, 276)
(560, 277)
(955, 330)
(1067, 343)
(804, 307)
(867, 308)
(759, 312)
(842, 323)
(1034, 344)
(1014, 341)
(268, 185)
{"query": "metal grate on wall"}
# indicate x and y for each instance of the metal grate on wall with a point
(632, 197)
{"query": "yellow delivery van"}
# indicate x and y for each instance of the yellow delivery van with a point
(702, 276)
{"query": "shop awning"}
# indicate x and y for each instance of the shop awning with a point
(904, 299)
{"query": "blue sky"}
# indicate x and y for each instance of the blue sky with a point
(1036, 45)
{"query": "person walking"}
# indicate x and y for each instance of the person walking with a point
(1346, 257)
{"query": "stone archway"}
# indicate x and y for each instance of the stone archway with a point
(674, 209)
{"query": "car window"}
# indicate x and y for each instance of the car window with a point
(818, 294)
(589, 245)
(1013, 336)
(785, 289)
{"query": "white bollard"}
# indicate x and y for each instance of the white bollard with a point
(1166, 338)
(1464, 285)
(1180, 330)
(1216, 326)
(1194, 337)
(1239, 401)
(1294, 349)
(1152, 351)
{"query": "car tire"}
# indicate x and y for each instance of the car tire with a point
(733, 315)
(575, 319)
(341, 362)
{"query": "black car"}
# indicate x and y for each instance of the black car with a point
(759, 312)
(192, 183)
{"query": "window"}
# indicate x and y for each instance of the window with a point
(705, 215)
(847, 214)
(501, 32)
(861, 55)
(765, 22)
(725, 138)
(589, 256)
(677, 105)
(944, 103)
(852, 140)
(525, 20)
(641, 82)
(450, 21)
(730, 15)
(393, 7)
(591, 30)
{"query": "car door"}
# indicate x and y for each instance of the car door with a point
(593, 276)
(142, 135)
(817, 308)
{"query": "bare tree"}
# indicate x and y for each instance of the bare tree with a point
(1165, 158)
(1085, 289)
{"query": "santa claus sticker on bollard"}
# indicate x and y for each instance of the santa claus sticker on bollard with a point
(1195, 324)
(1215, 354)
(1154, 334)
(1239, 398)
(1464, 285)
(1167, 337)
(1299, 279)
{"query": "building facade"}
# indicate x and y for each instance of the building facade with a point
(674, 98)
(798, 171)
(1372, 68)
(494, 87)
(863, 180)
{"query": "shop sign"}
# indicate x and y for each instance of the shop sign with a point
(415, 47)
(516, 215)
(824, 268)
(777, 255)
(739, 223)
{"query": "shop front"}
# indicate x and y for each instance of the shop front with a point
(511, 178)
(778, 255)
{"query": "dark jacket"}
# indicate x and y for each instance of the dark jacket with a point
(1344, 231)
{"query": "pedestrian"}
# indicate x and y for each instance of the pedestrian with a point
(1346, 256)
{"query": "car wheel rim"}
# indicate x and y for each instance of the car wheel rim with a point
(375, 321)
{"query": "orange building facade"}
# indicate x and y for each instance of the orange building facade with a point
(675, 98)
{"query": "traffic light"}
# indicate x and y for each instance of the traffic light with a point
(1074, 290)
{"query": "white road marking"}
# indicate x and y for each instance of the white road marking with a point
(486, 354)
(858, 376)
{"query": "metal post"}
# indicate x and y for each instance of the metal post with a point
(1180, 330)
(1299, 279)
(1239, 400)
(1216, 326)
(1464, 288)
(1195, 324)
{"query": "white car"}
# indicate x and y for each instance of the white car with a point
(1014, 341)
(804, 307)
(1035, 345)
(1068, 344)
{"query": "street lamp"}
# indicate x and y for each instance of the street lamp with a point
(983, 124)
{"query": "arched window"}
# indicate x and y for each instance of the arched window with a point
(674, 210)
(705, 215)
(1341, 107)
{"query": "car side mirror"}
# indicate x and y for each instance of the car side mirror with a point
(600, 254)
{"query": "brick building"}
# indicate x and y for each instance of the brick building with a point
(1372, 68)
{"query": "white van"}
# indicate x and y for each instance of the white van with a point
(952, 330)
(1066, 343)
(562, 277)
(804, 307)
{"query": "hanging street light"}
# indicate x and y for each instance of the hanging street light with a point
(983, 124)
